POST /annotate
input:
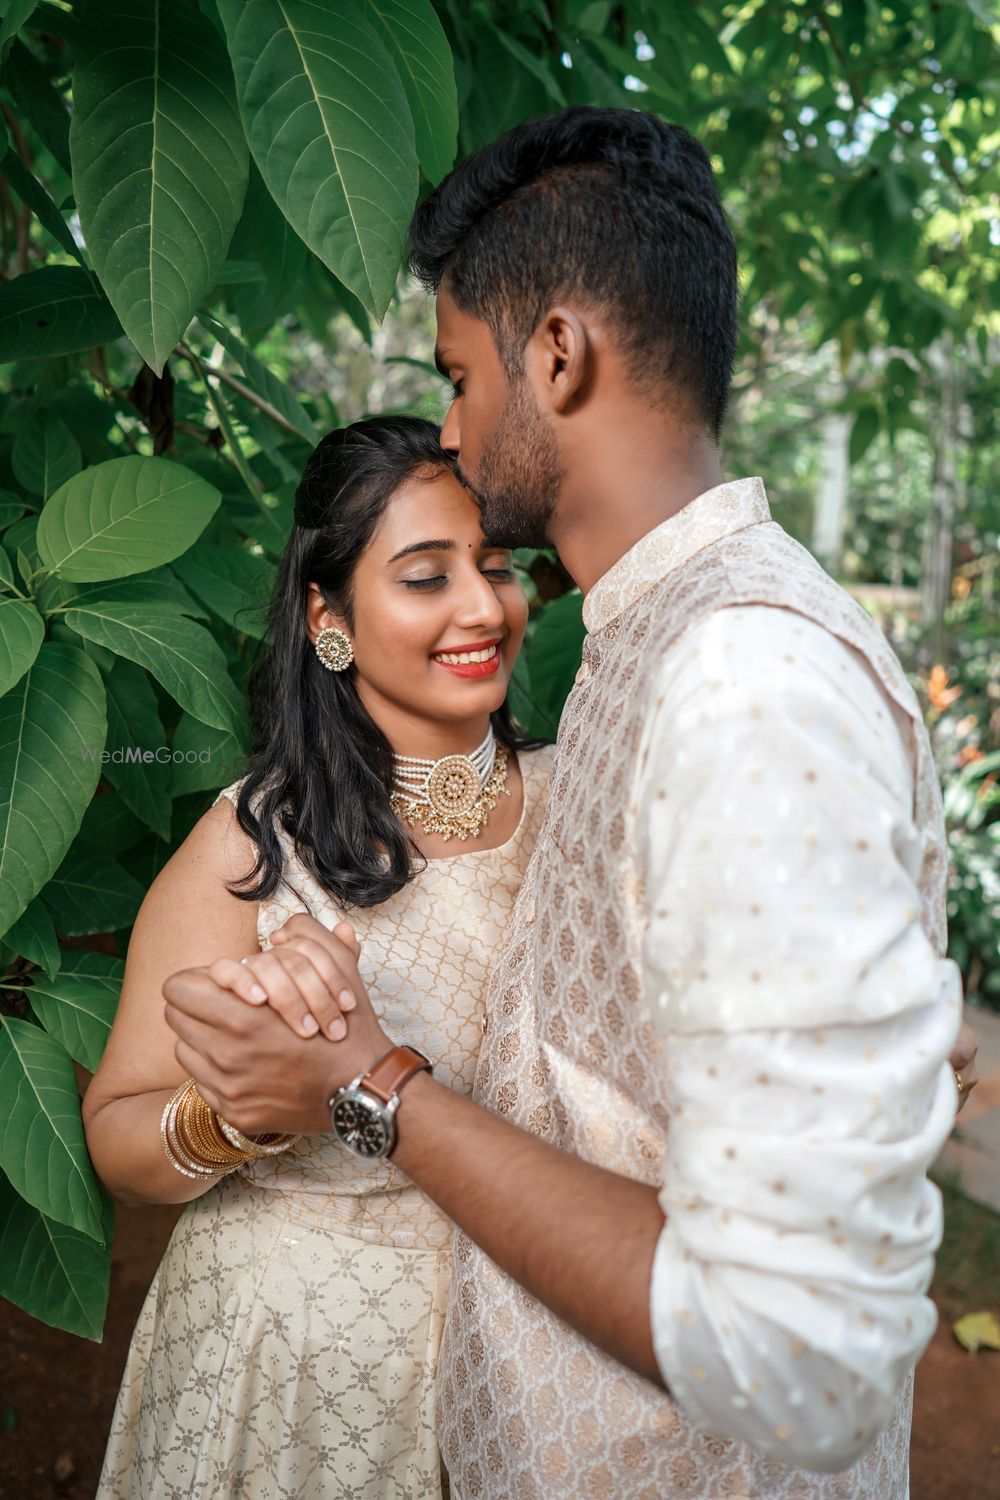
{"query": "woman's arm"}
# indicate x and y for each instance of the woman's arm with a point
(188, 918)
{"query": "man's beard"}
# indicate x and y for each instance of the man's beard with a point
(519, 475)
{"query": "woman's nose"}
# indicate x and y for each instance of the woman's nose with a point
(479, 603)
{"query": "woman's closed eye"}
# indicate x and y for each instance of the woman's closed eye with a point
(501, 575)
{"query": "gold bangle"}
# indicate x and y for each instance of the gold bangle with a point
(261, 1145)
(175, 1150)
(200, 1144)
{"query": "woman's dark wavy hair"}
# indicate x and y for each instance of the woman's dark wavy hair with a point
(320, 765)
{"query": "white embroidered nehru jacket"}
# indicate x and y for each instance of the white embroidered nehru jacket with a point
(724, 976)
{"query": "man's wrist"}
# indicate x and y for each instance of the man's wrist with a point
(413, 1117)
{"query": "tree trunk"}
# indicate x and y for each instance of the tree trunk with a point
(831, 501)
(936, 569)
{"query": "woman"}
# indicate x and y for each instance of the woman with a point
(288, 1342)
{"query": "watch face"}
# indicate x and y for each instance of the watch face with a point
(359, 1123)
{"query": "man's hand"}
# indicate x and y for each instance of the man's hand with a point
(250, 1066)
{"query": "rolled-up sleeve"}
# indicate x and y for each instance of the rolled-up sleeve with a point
(807, 1021)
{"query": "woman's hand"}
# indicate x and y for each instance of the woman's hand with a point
(963, 1060)
(251, 1067)
(299, 980)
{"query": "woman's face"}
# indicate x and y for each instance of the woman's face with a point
(439, 617)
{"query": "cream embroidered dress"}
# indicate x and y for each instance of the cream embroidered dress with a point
(287, 1347)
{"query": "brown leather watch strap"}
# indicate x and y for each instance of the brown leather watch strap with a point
(394, 1070)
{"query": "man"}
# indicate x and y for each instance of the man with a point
(695, 1228)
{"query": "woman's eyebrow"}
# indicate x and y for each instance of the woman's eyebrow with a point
(438, 546)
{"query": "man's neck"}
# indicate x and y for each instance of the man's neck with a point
(624, 488)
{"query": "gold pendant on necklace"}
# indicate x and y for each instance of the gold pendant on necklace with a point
(456, 806)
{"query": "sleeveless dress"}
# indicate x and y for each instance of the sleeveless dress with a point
(287, 1346)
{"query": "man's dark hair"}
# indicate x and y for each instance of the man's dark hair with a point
(612, 206)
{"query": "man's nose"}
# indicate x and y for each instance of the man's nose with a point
(451, 432)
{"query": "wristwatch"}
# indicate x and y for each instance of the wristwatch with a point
(363, 1113)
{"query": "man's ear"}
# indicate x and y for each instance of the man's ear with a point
(563, 352)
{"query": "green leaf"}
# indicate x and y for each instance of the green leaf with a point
(232, 582)
(110, 825)
(418, 46)
(51, 725)
(12, 508)
(978, 1331)
(33, 937)
(261, 380)
(16, 13)
(159, 162)
(205, 758)
(532, 64)
(38, 101)
(123, 516)
(55, 1273)
(330, 129)
(30, 191)
(42, 1146)
(91, 893)
(158, 590)
(138, 767)
(863, 433)
(57, 310)
(77, 1010)
(22, 631)
(182, 657)
(45, 455)
(553, 655)
(280, 253)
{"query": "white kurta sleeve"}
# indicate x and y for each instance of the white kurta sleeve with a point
(807, 1024)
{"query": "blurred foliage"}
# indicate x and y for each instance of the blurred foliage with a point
(192, 272)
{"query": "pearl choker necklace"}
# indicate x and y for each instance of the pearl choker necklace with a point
(454, 795)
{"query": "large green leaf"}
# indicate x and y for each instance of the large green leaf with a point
(416, 40)
(91, 893)
(57, 310)
(76, 1009)
(232, 582)
(42, 1145)
(53, 725)
(138, 766)
(53, 1272)
(45, 455)
(33, 936)
(263, 382)
(159, 162)
(22, 631)
(182, 657)
(122, 517)
(330, 129)
(158, 590)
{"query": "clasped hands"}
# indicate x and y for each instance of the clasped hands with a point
(268, 1041)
